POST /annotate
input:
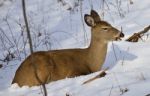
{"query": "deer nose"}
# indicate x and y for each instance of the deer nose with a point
(121, 34)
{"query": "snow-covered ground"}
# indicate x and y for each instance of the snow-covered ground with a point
(59, 25)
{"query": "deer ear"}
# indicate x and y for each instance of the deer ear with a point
(89, 20)
(95, 15)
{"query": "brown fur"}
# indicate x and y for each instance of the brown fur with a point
(59, 64)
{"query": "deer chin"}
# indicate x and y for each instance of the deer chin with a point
(117, 39)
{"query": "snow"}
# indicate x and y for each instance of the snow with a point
(61, 27)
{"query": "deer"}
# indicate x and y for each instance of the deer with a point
(55, 65)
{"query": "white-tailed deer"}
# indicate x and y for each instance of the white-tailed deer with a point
(59, 64)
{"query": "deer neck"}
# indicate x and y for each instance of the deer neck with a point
(96, 52)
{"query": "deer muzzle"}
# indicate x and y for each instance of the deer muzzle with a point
(120, 35)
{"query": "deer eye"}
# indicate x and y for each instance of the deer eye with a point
(105, 29)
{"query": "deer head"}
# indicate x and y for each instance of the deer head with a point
(104, 30)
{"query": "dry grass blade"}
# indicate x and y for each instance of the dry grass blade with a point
(135, 37)
(101, 74)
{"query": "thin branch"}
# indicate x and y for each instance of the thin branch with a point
(101, 74)
(111, 90)
(13, 37)
(2, 31)
(114, 51)
(85, 33)
(135, 37)
(31, 47)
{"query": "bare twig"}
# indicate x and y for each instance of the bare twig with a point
(3, 32)
(101, 74)
(122, 90)
(1, 65)
(114, 51)
(135, 37)
(31, 48)
(111, 90)
(85, 33)
(13, 37)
